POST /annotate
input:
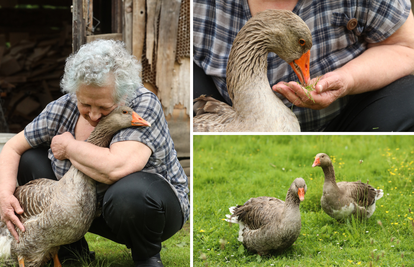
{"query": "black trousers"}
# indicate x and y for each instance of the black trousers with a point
(389, 109)
(140, 210)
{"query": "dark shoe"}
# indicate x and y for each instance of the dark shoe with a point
(154, 261)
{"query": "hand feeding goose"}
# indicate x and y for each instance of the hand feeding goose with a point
(268, 223)
(59, 212)
(255, 106)
(344, 199)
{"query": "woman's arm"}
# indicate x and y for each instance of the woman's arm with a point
(9, 163)
(381, 64)
(105, 165)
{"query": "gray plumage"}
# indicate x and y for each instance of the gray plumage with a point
(267, 223)
(59, 212)
(345, 199)
(255, 106)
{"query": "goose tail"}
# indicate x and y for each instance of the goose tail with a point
(379, 194)
(230, 217)
(5, 243)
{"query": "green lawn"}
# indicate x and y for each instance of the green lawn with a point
(228, 170)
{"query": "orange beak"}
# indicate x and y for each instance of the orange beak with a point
(316, 162)
(138, 121)
(301, 68)
(301, 194)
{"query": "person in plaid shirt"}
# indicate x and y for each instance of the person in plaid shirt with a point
(141, 187)
(363, 49)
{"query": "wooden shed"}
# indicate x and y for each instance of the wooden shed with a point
(37, 36)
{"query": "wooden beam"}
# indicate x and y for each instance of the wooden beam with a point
(167, 44)
(153, 12)
(78, 25)
(127, 29)
(108, 36)
(89, 17)
(138, 28)
(116, 16)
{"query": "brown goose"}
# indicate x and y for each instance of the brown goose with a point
(268, 223)
(344, 199)
(255, 106)
(59, 212)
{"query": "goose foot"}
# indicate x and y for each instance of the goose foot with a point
(56, 262)
(21, 261)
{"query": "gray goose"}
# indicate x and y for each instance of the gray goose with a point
(255, 106)
(345, 199)
(60, 212)
(270, 224)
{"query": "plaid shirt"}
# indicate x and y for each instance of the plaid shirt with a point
(216, 23)
(61, 116)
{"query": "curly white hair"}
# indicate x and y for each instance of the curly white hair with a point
(94, 61)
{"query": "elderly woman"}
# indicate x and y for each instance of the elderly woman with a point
(142, 188)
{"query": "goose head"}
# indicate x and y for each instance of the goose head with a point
(322, 160)
(281, 32)
(122, 117)
(299, 188)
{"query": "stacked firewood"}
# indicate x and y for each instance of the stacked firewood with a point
(30, 73)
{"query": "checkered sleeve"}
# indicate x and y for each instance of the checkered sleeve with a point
(50, 122)
(384, 18)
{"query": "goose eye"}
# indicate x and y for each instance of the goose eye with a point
(302, 42)
(124, 112)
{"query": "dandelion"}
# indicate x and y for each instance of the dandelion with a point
(350, 261)
(359, 263)
(386, 211)
(202, 231)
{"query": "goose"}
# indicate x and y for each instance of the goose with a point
(60, 212)
(344, 199)
(255, 106)
(267, 223)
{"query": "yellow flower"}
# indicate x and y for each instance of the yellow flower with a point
(395, 223)
(359, 263)
(350, 261)
(386, 211)
(202, 231)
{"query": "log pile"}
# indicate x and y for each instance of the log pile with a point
(30, 73)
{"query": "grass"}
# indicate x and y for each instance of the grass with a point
(175, 251)
(228, 170)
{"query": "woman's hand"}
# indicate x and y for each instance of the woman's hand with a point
(59, 145)
(329, 88)
(9, 205)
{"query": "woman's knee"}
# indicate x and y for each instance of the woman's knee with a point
(34, 163)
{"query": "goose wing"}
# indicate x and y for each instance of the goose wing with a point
(34, 196)
(363, 194)
(211, 114)
(257, 212)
